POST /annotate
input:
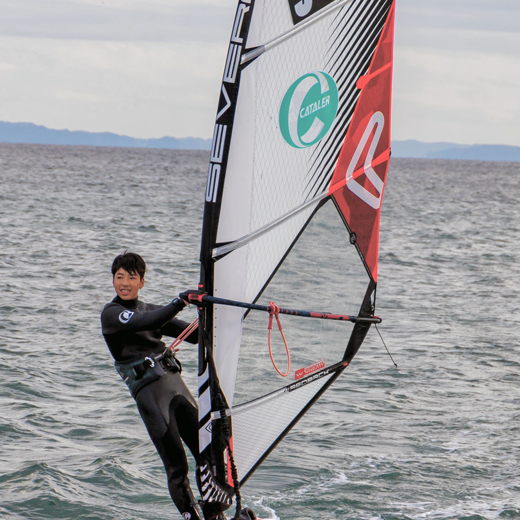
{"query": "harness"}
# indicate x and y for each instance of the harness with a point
(142, 372)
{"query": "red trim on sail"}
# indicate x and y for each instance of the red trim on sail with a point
(358, 181)
(229, 465)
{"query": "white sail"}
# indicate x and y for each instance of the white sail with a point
(286, 141)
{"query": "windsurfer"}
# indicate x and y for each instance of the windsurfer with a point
(133, 330)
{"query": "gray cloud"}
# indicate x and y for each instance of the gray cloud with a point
(207, 20)
(121, 21)
(457, 71)
(482, 15)
(149, 68)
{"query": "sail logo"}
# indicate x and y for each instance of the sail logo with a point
(377, 122)
(215, 164)
(301, 9)
(307, 380)
(308, 109)
(302, 372)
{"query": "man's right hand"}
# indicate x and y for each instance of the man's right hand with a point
(179, 303)
(194, 297)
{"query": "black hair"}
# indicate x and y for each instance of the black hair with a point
(132, 263)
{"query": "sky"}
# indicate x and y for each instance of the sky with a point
(152, 68)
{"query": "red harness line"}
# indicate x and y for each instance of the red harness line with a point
(183, 335)
(274, 310)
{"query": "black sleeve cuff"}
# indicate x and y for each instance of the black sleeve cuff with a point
(179, 304)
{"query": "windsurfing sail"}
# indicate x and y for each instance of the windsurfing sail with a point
(299, 159)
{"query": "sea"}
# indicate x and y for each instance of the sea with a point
(436, 437)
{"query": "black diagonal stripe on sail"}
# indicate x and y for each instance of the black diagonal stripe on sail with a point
(331, 153)
(326, 156)
(365, 17)
(360, 44)
(364, 45)
(367, 43)
(326, 162)
(349, 25)
(366, 32)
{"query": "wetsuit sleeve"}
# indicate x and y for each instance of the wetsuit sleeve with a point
(116, 318)
(175, 327)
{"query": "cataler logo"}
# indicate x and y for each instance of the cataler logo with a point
(308, 109)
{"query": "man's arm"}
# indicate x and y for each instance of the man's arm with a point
(115, 318)
(175, 327)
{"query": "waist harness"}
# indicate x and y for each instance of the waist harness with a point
(142, 372)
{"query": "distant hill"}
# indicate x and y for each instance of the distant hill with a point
(31, 133)
(477, 152)
(412, 148)
(482, 152)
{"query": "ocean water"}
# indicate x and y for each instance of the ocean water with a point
(435, 438)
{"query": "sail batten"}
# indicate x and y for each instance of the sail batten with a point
(259, 50)
(242, 241)
(297, 171)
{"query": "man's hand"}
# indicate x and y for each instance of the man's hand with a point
(194, 297)
(179, 304)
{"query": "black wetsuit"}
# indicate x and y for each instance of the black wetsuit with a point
(133, 331)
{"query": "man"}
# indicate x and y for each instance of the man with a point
(133, 331)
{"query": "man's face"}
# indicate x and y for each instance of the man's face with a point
(127, 285)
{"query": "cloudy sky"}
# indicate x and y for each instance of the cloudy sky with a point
(150, 68)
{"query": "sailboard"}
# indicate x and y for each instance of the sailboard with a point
(299, 157)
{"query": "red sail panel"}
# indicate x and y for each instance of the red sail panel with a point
(358, 181)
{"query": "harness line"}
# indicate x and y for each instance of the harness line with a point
(274, 310)
(183, 335)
